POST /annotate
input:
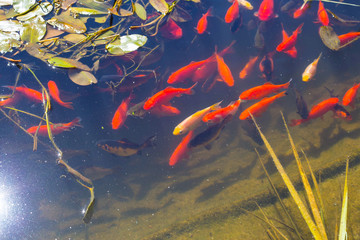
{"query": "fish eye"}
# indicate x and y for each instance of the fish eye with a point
(180, 131)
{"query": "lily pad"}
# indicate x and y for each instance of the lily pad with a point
(41, 9)
(36, 51)
(21, 6)
(67, 63)
(8, 40)
(126, 44)
(10, 26)
(67, 23)
(329, 37)
(140, 11)
(82, 78)
(33, 30)
(160, 6)
(74, 38)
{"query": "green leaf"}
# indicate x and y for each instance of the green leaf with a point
(140, 11)
(67, 23)
(41, 9)
(67, 63)
(21, 6)
(9, 40)
(86, 11)
(74, 38)
(33, 30)
(82, 78)
(160, 6)
(126, 44)
(98, 5)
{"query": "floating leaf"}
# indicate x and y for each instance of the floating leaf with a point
(98, 5)
(67, 63)
(6, 2)
(82, 78)
(74, 38)
(329, 37)
(126, 44)
(10, 26)
(33, 30)
(160, 6)
(65, 4)
(41, 9)
(104, 38)
(67, 23)
(86, 11)
(9, 40)
(140, 11)
(21, 6)
(180, 15)
(40, 53)
(101, 19)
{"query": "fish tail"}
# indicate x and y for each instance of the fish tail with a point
(228, 49)
(76, 122)
(191, 90)
(216, 106)
(68, 105)
(149, 142)
(299, 28)
(209, 12)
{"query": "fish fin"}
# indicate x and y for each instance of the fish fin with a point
(208, 146)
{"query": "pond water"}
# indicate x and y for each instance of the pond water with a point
(141, 194)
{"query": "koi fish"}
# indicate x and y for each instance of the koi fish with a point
(263, 90)
(318, 110)
(164, 96)
(258, 108)
(171, 30)
(266, 66)
(193, 121)
(185, 72)
(251, 130)
(322, 15)
(292, 52)
(289, 42)
(233, 12)
(266, 10)
(310, 70)
(128, 83)
(301, 106)
(55, 128)
(124, 147)
(245, 4)
(218, 115)
(237, 23)
(341, 112)
(120, 115)
(348, 38)
(55, 94)
(164, 111)
(350, 96)
(29, 93)
(11, 101)
(301, 11)
(248, 67)
(202, 23)
(224, 70)
(206, 137)
(137, 110)
(182, 150)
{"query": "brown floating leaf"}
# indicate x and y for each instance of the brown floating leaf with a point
(67, 23)
(74, 38)
(180, 15)
(67, 63)
(140, 11)
(329, 37)
(160, 5)
(82, 78)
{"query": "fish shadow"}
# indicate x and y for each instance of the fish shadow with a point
(220, 185)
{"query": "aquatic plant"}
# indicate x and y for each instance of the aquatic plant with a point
(314, 217)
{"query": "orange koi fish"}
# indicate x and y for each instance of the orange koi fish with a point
(233, 12)
(194, 121)
(248, 67)
(350, 96)
(171, 30)
(55, 94)
(347, 38)
(164, 111)
(182, 150)
(266, 10)
(310, 70)
(185, 72)
(341, 112)
(292, 52)
(163, 97)
(317, 111)
(202, 23)
(266, 66)
(289, 42)
(10, 101)
(301, 11)
(263, 90)
(258, 108)
(55, 128)
(224, 70)
(322, 14)
(29, 93)
(219, 115)
(120, 115)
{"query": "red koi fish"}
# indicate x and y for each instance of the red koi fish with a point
(301, 11)
(341, 112)
(258, 108)
(263, 90)
(185, 72)
(55, 128)
(317, 111)
(348, 38)
(350, 95)
(29, 93)
(233, 12)
(120, 115)
(55, 94)
(182, 150)
(163, 97)
(266, 66)
(164, 111)
(322, 14)
(248, 67)
(291, 52)
(224, 70)
(219, 115)
(266, 10)
(202, 23)
(171, 30)
(10, 101)
(289, 42)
